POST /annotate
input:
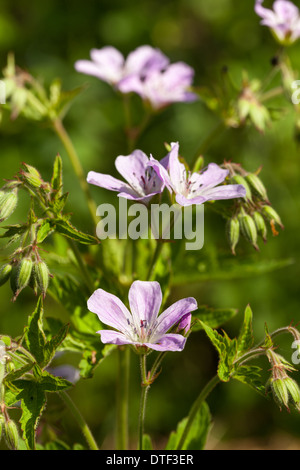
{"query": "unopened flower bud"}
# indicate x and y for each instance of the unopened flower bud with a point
(5, 273)
(11, 434)
(260, 225)
(239, 179)
(32, 176)
(233, 233)
(248, 229)
(20, 276)
(257, 186)
(293, 391)
(41, 273)
(271, 214)
(280, 392)
(8, 203)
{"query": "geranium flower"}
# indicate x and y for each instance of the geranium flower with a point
(162, 87)
(196, 188)
(284, 20)
(143, 181)
(109, 65)
(142, 326)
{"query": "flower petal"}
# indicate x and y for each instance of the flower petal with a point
(170, 342)
(145, 299)
(177, 170)
(173, 315)
(145, 59)
(113, 337)
(110, 310)
(228, 191)
(210, 177)
(108, 182)
(133, 167)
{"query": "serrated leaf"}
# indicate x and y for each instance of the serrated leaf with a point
(66, 228)
(34, 335)
(246, 339)
(226, 349)
(212, 317)
(197, 435)
(57, 176)
(251, 376)
(44, 230)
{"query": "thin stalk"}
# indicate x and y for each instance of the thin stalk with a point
(145, 388)
(76, 164)
(271, 94)
(85, 272)
(156, 255)
(80, 420)
(192, 414)
(122, 398)
(208, 141)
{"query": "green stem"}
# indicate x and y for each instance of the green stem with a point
(85, 272)
(157, 252)
(81, 422)
(208, 141)
(192, 414)
(145, 388)
(74, 159)
(122, 398)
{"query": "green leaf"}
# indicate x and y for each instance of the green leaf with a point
(246, 339)
(147, 443)
(33, 400)
(251, 376)
(66, 228)
(44, 230)
(212, 317)
(197, 435)
(34, 335)
(57, 176)
(227, 350)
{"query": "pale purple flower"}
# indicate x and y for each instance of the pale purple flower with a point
(283, 20)
(196, 188)
(162, 87)
(142, 325)
(109, 65)
(143, 181)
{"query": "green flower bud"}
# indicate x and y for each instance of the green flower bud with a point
(5, 273)
(41, 273)
(32, 176)
(11, 434)
(233, 233)
(239, 179)
(260, 225)
(257, 185)
(248, 229)
(20, 276)
(8, 203)
(280, 392)
(293, 390)
(271, 214)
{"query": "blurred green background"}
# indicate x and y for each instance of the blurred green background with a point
(47, 38)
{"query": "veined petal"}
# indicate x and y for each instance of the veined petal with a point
(113, 337)
(133, 167)
(209, 177)
(108, 182)
(183, 201)
(169, 342)
(173, 315)
(110, 310)
(229, 191)
(145, 59)
(145, 299)
(177, 170)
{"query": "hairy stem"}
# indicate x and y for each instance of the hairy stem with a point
(145, 387)
(80, 420)
(122, 398)
(76, 164)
